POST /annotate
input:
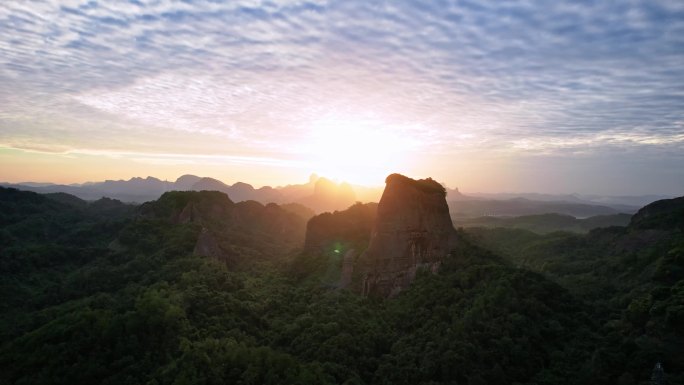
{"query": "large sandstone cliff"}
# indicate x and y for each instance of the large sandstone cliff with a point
(412, 231)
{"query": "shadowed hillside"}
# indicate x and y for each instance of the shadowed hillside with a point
(229, 231)
(633, 275)
(108, 293)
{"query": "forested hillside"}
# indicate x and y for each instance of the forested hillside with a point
(632, 277)
(107, 293)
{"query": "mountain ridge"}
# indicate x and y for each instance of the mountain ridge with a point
(143, 294)
(140, 190)
(320, 194)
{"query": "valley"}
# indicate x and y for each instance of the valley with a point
(195, 288)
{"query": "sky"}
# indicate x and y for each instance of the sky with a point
(500, 96)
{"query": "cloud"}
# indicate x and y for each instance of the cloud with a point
(590, 142)
(159, 158)
(250, 77)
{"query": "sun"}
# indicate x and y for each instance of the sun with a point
(360, 151)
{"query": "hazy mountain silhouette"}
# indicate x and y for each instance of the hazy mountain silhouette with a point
(321, 194)
(622, 202)
(185, 182)
(546, 223)
(523, 206)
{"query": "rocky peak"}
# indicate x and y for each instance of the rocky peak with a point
(412, 231)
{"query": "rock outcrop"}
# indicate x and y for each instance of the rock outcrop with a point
(229, 231)
(412, 231)
(207, 246)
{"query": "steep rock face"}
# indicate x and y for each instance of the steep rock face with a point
(208, 246)
(412, 230)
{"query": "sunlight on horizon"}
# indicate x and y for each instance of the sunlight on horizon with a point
(486, 97)
(358, 151)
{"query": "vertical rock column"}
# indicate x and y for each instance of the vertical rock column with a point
(413, 230)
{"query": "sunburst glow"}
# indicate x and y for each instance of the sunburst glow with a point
(360, 151)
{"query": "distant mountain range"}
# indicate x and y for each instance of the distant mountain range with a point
(321, 194)
(626, 202)
(546, 223)
(522, 206)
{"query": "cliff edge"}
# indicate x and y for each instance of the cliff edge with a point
(412, 231)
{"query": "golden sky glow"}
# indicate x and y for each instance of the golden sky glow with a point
(358, 151)
(498, 96)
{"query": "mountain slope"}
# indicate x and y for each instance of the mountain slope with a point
(319, 194)
(91, 299)
(634, 276)
(232, 232)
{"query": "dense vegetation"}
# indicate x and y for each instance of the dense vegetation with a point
(104, 293)
(545, 223)
(631, 277)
